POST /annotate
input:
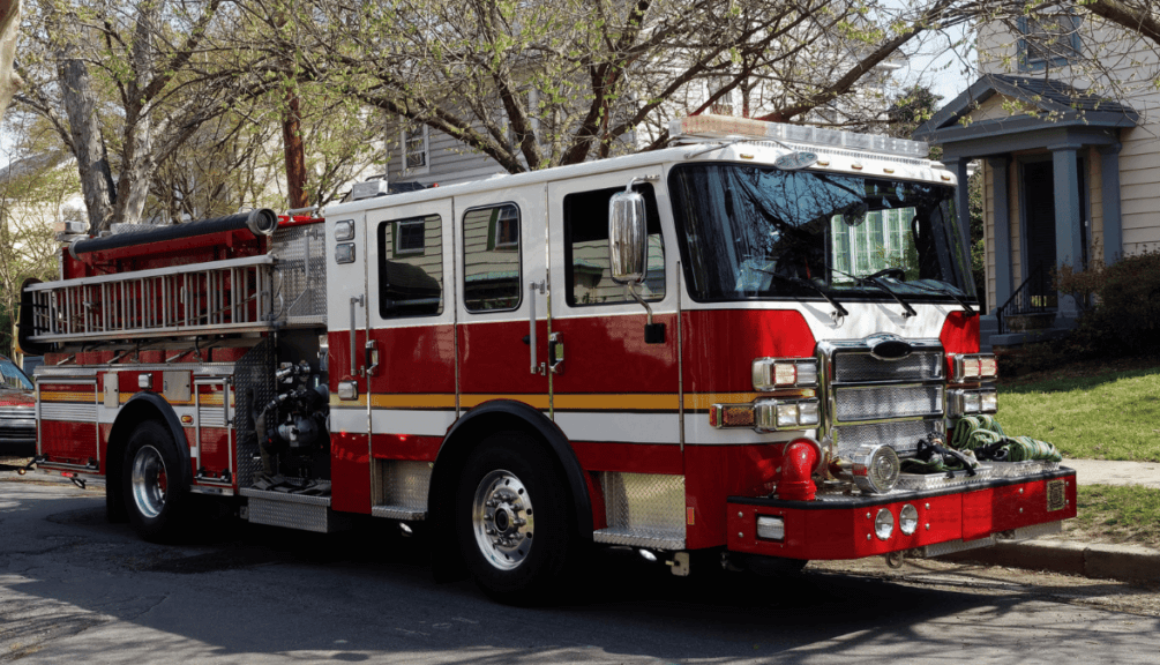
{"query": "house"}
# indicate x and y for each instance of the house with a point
(1071, 173)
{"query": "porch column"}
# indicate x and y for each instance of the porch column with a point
(1110, 177)
(1002, 228)
(1068, 240)
(962, 199)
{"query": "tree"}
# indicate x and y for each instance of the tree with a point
(126, 85)
(536, 83)
(38, 189)
(9, 80)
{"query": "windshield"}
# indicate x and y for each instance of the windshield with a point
(756, 233)
(12, 377)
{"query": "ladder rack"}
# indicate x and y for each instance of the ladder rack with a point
(234, 295)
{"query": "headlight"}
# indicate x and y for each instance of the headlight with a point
(908, 519)
(884, 524)
(875, 468)
(774, 373)
(772, 415)
(975, 367)
(969, 402)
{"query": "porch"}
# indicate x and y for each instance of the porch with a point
(1050, 158)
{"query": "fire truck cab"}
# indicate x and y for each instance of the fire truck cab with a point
(732, 346)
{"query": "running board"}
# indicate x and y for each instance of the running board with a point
(293, 511)
(405, 513)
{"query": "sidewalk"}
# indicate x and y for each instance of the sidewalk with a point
(1061, 554)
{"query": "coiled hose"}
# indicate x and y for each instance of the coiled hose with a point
(985, 436)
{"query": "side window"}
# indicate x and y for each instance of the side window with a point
(1048, 40)
(491, 258)
(586, 260)
(411, 267)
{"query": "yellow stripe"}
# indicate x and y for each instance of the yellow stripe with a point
(77, 396)
(336, 401)
(403, 401)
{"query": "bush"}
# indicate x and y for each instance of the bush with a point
(1125, 316)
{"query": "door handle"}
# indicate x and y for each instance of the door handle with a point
(556, 353)
(371, 356)
(353, 331)
(533, 287)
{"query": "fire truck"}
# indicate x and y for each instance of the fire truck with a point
(727, 351)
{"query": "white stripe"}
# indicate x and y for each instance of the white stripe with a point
(864, 319)
(698, 432)
(349, 421)
(624, 427)
(418, 423)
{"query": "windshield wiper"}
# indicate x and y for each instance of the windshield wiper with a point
(838, 309)
(966, 305)
(874, 280)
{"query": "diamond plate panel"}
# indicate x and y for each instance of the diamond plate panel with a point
(254, 381)
(294, 515)
(81, 413)
(853, 404)
(934, 481)
(902, 436)
(865, 368)
(1020, 469)
(645, 506)
(953, 546)
(300, 275)
(405, 485)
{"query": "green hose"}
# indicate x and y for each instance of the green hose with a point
(984, 432)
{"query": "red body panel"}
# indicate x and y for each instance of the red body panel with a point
(629, 457)
(721, 345)
(608, 354)
(848, 533)
(495, 361)
(68, 442)
(405, 447)
(415, 360)
(350, 473)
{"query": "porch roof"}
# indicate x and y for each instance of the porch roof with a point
(1061, 114)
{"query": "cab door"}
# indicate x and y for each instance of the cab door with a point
(502, 309)
(411, 349)
(615, 392)
(346, 289)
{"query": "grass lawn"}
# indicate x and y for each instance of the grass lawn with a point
(1117, 514)
(1100, 413)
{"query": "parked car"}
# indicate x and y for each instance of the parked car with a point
(17, 411)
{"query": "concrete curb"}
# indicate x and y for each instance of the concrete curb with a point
(1131, 563)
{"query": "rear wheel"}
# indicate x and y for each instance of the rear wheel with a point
(151, 488)
(513, 519)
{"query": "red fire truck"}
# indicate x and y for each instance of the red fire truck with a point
(732, 347)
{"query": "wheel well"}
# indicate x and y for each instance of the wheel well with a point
(500, 416)
(136, 411)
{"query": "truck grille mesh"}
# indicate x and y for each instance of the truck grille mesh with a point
(861, 367)
(902, 436)
(882, 402)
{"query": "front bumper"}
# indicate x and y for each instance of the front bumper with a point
(842, 527)
(18, 435)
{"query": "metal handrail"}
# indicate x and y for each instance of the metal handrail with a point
(1034, 296)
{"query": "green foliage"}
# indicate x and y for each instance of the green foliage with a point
(1123, 317)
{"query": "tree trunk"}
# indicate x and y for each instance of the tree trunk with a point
(292, 147)
(84, 125)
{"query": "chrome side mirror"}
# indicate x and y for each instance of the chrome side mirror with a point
(628, 236)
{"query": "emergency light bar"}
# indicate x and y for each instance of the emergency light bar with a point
(702, 127)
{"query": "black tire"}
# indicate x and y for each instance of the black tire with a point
(525, 558)
(115, 511)
(154, 495)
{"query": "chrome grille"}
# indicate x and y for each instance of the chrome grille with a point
(861, 367)
(883, 402)
(902, 436)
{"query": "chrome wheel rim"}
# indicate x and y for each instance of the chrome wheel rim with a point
(501, 516)
(149, 481)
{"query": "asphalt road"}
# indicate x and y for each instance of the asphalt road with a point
(76, 589)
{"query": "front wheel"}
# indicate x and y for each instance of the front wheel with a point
(152, 490)
(513, 521)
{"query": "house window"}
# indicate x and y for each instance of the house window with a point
(409, 237)
(491, 258)
(416, 151)
(586, 256)
(1048, 40)
(411, 267)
